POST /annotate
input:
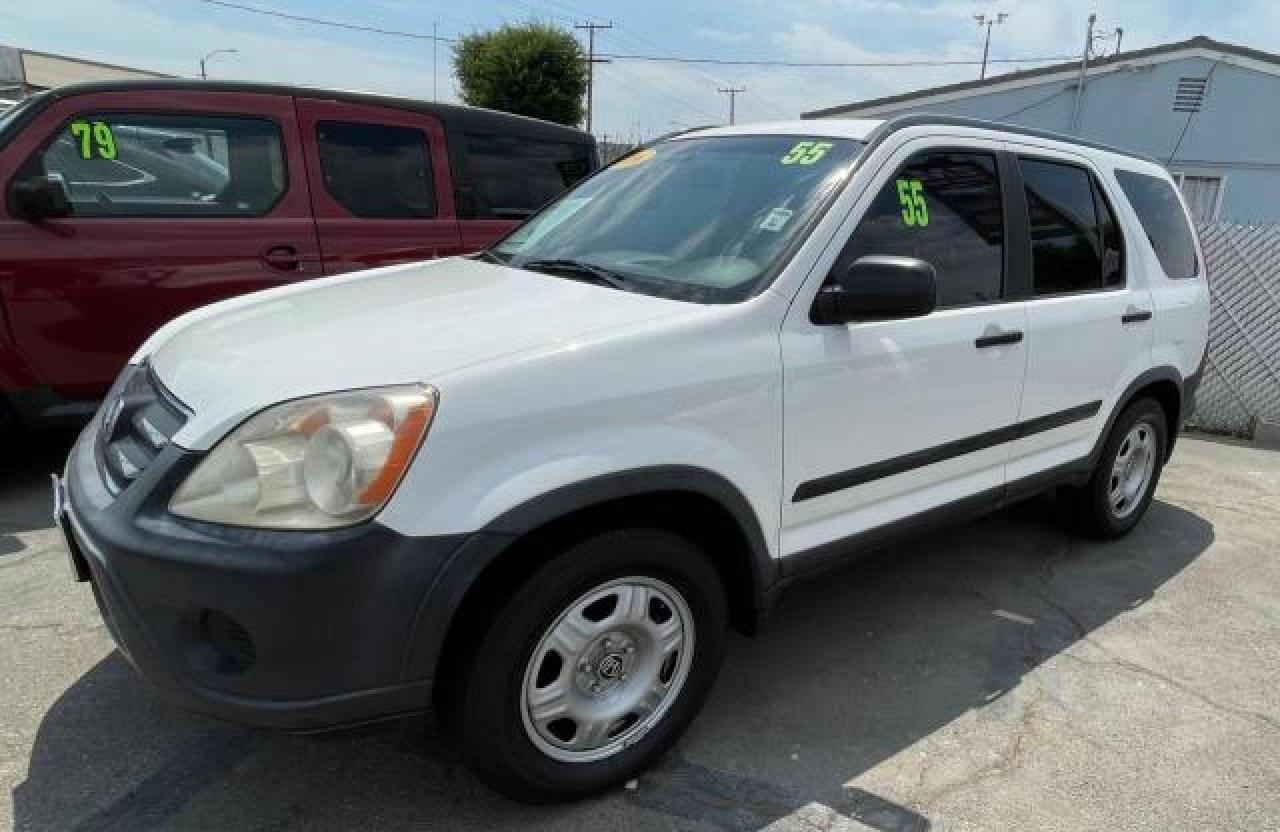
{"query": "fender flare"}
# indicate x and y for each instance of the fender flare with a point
(1151, 376)
(441, 602)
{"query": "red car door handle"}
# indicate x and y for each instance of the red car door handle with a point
(284, 258)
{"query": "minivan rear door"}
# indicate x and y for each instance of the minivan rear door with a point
(179, 197)
(380, 184)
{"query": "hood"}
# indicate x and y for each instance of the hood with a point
(413, 323)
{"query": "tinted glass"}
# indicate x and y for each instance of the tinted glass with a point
(512, 177)
(116, 165)
(698, 219)
(1066, 242)
(1161, 215)
(943, 208)
(377, 171)
(1112, 241)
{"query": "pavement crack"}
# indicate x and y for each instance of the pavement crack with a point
(1083, 634)
(1009, 758)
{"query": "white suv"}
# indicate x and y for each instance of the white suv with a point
(534, 488)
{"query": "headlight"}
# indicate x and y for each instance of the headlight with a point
(315, 463)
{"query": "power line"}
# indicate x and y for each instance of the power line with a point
(335, 24)
(833, 64)
(357, 27)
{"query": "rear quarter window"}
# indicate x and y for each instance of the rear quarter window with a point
(512, 176)
(1156, 203)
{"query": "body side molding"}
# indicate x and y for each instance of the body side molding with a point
(940, 453)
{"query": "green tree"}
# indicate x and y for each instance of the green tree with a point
(535, 69)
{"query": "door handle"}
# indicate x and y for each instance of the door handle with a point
(1133, 315)
(996, 338)
(284, 258)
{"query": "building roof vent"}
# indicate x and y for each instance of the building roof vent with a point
(1190, 95)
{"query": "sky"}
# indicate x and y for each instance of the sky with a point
(634, 99)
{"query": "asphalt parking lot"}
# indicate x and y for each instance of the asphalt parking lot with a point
(1001, 675)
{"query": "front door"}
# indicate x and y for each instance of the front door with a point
(380, 184)
(178, 198)
(887, 419)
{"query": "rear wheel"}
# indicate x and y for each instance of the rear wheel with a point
(1124, 482)
(593, 668)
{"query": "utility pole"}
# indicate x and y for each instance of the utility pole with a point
(435, 45)
(1084, 67)
(592, 60)
(733, 94)
(988, 21)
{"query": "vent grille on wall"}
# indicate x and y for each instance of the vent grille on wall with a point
(1190, 95)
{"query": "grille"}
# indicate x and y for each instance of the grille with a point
(139, 419)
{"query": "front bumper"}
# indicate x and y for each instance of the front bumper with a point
(293, 630)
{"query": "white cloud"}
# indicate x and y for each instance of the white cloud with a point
(722, 36)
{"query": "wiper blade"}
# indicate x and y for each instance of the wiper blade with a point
(579, 269)
(485, 254)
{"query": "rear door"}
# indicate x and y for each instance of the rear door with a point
(179, 198)
(1089, 314)
(380, 184)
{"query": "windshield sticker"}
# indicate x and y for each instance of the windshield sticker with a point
(776, 219)
(806, 153)
(911, 197)
(94, 140)
(636, 159)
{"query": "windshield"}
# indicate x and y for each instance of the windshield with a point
(8, 115)
(700, 219)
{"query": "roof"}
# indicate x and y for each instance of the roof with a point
(474, 118)
(1200, 46)
(874, 130)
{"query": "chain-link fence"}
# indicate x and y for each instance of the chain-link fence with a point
(1242, 377)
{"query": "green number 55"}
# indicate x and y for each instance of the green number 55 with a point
(911, 196)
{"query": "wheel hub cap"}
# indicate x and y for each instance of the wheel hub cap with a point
(607, 669)
(1133, 469)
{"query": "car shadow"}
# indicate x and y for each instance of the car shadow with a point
(850, 671)
(26, 461)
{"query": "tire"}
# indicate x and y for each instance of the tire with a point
(1118, 493)
(532, 757)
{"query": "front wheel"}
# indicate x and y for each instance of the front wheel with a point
(1123, 484)
(593, 668)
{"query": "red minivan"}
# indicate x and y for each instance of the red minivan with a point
(128, 203)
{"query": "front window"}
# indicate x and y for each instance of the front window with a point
(165, 165)
(699, 219)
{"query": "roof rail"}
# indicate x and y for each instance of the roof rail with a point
(897, 123)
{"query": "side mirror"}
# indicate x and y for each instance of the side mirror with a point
(877, 288)
(41, 198)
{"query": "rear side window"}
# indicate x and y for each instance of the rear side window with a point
(377, 171)
(944, 208)
(512, 177)
(1156, 204)
(162, 165)
(1075, 244)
